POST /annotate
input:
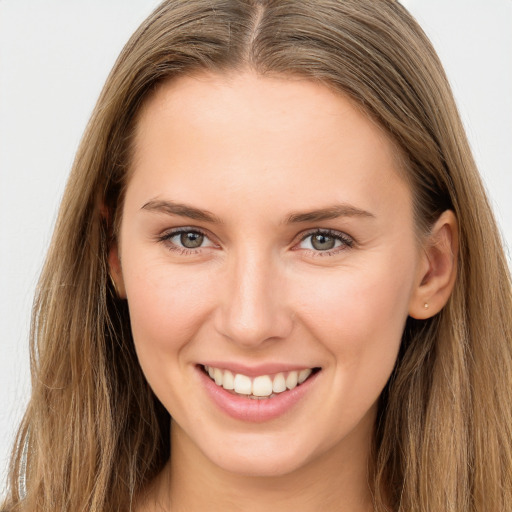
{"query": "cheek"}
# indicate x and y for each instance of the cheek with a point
(358, 318)
(167, 309)
(167, 306)
(359, 315)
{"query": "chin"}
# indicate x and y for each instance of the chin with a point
(260, 459)
(260, 467)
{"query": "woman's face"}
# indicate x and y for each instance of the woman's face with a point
(267, 237)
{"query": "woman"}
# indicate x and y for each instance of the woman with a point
(275, 234)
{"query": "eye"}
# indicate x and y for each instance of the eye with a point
(326, 241)
(186, 239)
(191, 239)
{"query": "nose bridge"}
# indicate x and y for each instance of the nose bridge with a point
(252, 308)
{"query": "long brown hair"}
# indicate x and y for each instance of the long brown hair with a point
(94, 434)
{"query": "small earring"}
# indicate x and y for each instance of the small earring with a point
(426, 305)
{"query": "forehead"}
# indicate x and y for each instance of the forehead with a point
(253, 137)
(267, 104)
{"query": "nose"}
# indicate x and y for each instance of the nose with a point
(253, 309)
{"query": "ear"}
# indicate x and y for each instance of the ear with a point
(116, 273)
(114, 259)
(437, 270)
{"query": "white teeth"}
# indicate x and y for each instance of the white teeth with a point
(258, 387)
(229, 380)
(262, 386)
(217, 375)
(279, 384)
(291, 380)
(303, 375)
(243, 384)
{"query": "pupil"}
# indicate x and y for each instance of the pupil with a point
(191, 240)
(323, 242)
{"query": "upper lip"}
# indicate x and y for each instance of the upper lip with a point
(255, 370)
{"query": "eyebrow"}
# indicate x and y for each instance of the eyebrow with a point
(181, 209)
(185, 210)
(331, 212)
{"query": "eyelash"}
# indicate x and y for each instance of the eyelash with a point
(166, 239)
(347, 242)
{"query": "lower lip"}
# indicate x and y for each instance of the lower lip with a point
(255, 410)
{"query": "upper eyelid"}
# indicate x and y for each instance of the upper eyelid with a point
(326, 231)
(168, 233)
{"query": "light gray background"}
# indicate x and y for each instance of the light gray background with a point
(54, 58)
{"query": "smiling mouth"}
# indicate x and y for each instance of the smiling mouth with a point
(260, 387)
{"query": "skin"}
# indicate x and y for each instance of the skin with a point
(253, 151)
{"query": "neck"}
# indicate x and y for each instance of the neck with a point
(337, 480)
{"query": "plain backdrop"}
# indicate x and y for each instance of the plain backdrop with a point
(54, 58)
